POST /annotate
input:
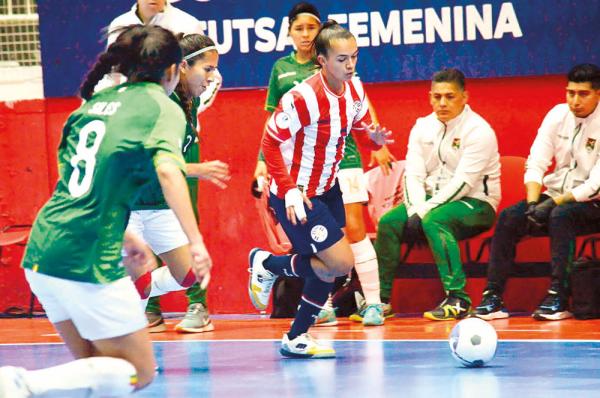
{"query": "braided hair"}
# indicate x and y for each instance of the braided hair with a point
(141, 52)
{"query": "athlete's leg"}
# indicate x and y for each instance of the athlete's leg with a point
(113, 366)
(77, 345)
(164, 235)
(324, 253)
(387, 246)
(354, 192)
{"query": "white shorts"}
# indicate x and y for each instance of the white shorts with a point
(159, 228)
(98, 311)
(353, 184)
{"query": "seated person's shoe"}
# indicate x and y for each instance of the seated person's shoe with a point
(491, 307)
(451, 308)
(554, 307)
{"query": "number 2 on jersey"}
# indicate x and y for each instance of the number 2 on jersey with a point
(83, 153)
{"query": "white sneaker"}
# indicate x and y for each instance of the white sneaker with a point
(261, 281)
(12, 384)
(304, 346)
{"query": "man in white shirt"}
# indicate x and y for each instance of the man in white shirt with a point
(570, 206)
(163, 14)
(451, 191)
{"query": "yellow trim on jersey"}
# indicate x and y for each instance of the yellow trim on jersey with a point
(165, 157)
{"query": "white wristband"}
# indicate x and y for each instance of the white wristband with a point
(295, 199)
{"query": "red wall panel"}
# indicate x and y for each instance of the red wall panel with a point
(231, 132)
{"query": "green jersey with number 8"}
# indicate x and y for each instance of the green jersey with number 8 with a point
(109, 149)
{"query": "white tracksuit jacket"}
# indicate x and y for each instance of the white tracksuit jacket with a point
(574, 144)
(451, 161)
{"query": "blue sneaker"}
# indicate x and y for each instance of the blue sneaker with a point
(373, 315)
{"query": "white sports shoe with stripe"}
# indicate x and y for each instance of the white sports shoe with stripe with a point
(304, 346)
(261, 281)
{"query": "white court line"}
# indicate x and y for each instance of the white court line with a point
(340, 340)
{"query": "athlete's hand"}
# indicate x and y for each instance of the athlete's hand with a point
(379, 135)
(201, 263)
(139, 259)
(294, 206)
(413, 229)
(260, 170)
(538, 214)
(214, 171)
(383, 158)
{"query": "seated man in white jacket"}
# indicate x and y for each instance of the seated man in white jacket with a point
(569, 135)
(451, 191)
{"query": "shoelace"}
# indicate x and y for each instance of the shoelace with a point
(196, 310)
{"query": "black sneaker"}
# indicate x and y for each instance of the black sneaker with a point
(553, 308)
(491, 307)
(450, 308)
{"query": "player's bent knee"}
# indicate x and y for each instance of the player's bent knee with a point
(189, 280)
(112, 377)
(145, 375)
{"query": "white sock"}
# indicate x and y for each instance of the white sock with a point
(365, 262)
(328, 304)
(163, 282)
(89, 377)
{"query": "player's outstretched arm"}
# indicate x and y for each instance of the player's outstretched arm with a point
(214, 171)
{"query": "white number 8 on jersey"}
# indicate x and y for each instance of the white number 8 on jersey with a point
(86, 154)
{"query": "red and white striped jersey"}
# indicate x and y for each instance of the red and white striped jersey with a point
(311, 125)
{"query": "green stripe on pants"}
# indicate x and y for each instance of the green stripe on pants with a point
(444, 226)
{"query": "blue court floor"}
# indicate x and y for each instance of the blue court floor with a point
(371, 368)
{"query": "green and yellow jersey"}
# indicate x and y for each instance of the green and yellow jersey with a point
(109, 150)
(151, 197)
(287, 72)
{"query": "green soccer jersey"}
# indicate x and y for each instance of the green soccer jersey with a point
(151, 196)
(287, 72)
(109, 149)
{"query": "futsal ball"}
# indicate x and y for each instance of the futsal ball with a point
(473, 342)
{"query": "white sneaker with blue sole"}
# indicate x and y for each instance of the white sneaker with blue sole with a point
(304, 346)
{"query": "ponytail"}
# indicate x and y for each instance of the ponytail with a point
(142, 53)
(329, 31)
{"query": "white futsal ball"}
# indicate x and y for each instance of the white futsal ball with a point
(473, 342)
